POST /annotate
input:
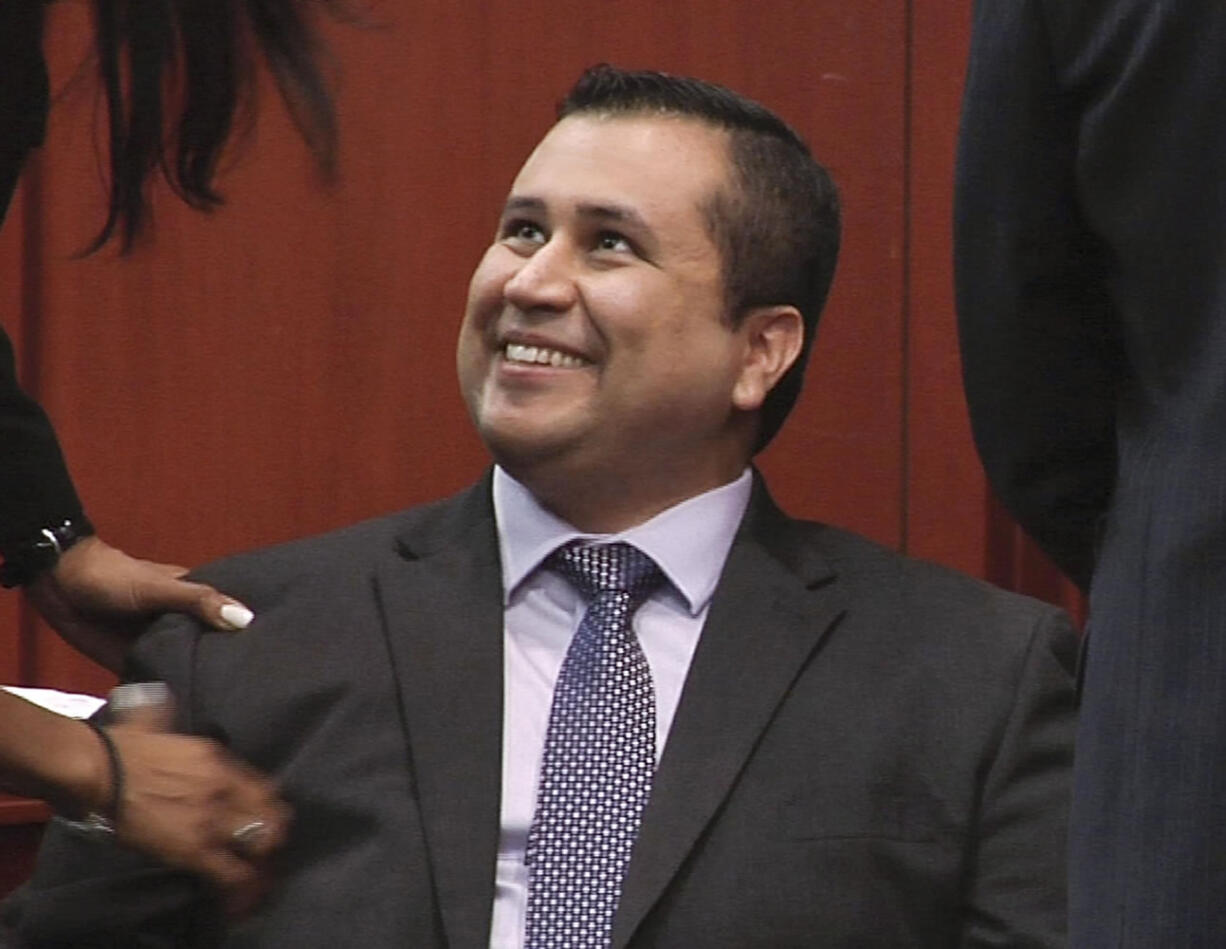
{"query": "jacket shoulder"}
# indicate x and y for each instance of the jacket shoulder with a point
(296, 586)
(922, 599)
(266, 574)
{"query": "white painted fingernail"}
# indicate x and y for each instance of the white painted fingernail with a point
(237, 615)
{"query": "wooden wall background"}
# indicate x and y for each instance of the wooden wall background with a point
(285, 365)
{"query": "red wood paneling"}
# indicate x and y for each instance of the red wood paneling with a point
(946, 489)
(839, 457)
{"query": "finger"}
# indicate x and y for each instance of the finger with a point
(228, 871)
(173, 570)
(150, 718)
(241, 900)
(253, 839)
(147, 704)
(260, 823)
(221, 612)
(254, 820)
(159, 592)
(232, 615)
(280, 815)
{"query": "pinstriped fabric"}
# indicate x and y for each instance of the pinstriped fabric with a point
(599, 755)
(1098, 269)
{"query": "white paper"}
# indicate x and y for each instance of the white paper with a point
(72, 704)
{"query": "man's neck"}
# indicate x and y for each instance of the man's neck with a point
(610, 506)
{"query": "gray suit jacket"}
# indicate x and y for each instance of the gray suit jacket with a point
(869, 751)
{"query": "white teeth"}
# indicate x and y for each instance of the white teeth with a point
(542, 356)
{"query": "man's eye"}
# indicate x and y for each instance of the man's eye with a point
(611, 240)
(524, 231)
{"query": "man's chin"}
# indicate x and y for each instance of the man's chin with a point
(522, 450)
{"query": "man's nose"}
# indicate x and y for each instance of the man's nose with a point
(545, 280)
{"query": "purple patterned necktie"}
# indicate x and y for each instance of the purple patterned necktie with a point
(600, 752)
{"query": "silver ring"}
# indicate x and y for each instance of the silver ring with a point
(246, 837)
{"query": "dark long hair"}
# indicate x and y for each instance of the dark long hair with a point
(175, 75)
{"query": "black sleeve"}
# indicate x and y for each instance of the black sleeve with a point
(1037, 325)
(35, 489)
(24, 90)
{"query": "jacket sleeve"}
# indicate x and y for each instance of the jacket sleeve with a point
(1037, 325)
(1016, 891)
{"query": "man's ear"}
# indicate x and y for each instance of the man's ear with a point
(773, 338)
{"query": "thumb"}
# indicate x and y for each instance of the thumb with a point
(142, 706)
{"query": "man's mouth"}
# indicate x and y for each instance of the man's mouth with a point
(540, 356)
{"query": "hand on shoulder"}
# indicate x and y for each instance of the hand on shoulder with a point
(98, 599)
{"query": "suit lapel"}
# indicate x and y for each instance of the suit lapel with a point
(441, 593)
(776, 601)
(442, 597)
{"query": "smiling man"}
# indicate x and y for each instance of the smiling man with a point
(611, 695)
(599, 356)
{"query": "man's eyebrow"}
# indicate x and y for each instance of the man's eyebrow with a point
(603, 212)
(518, 202)
(614, 212)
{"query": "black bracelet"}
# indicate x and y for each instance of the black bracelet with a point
(100, 821)
(25, 560)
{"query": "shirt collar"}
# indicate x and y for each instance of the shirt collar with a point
(689, 541)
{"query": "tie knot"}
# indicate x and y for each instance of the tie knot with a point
(607, 568)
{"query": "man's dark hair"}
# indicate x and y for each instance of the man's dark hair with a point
(202, 54)
(777, 228)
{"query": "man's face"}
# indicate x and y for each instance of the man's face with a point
(595, 343)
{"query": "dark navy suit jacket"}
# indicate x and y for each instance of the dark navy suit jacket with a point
(1091, 276)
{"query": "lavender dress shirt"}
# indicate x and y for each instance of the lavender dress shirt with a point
(689, 542)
